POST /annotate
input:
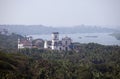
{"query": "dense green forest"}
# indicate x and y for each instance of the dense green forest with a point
(87, 61)
(9, 41)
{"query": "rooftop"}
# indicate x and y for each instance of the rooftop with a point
(55, 33)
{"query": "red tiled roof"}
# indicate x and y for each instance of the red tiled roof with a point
(25, 42)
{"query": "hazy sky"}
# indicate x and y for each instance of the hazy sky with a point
(60, 12)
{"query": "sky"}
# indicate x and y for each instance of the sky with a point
(60, 12)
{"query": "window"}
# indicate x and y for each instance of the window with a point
(60, 48)
(55, 36)
(66, 42)
(66, 48)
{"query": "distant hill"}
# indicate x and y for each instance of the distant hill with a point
(41, 29)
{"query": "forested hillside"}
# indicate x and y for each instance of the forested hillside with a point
(9, 41)
(91, 61)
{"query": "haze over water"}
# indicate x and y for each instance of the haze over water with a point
(100, 38)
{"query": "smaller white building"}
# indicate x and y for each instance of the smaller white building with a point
(20, 45)
(25, 43)
(45, 44)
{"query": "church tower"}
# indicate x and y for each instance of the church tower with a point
(45, 44)
(55, 40)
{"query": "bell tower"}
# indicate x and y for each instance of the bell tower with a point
(55, 40)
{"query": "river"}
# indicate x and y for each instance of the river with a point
(100, 38)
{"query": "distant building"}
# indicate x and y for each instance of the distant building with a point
(38, 43)
(55, 41)
(25, 43)
(67, 43)
(47, 44)
(4, 32)
(56, 44)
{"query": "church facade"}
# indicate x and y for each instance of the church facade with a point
(56, 44)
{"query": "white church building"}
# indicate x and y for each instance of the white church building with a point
(25, 43)
(56, 44)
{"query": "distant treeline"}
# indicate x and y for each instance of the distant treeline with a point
(41, 29)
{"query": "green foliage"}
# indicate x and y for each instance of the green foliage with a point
(88, 61)
(9, 42)
(116, 35)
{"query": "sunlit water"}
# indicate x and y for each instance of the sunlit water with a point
(101, 38)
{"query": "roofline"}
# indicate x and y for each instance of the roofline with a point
(55, 32)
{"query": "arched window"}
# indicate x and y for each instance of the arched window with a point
(66, 42)
(66, 48)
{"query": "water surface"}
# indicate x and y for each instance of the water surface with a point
(101, 38)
